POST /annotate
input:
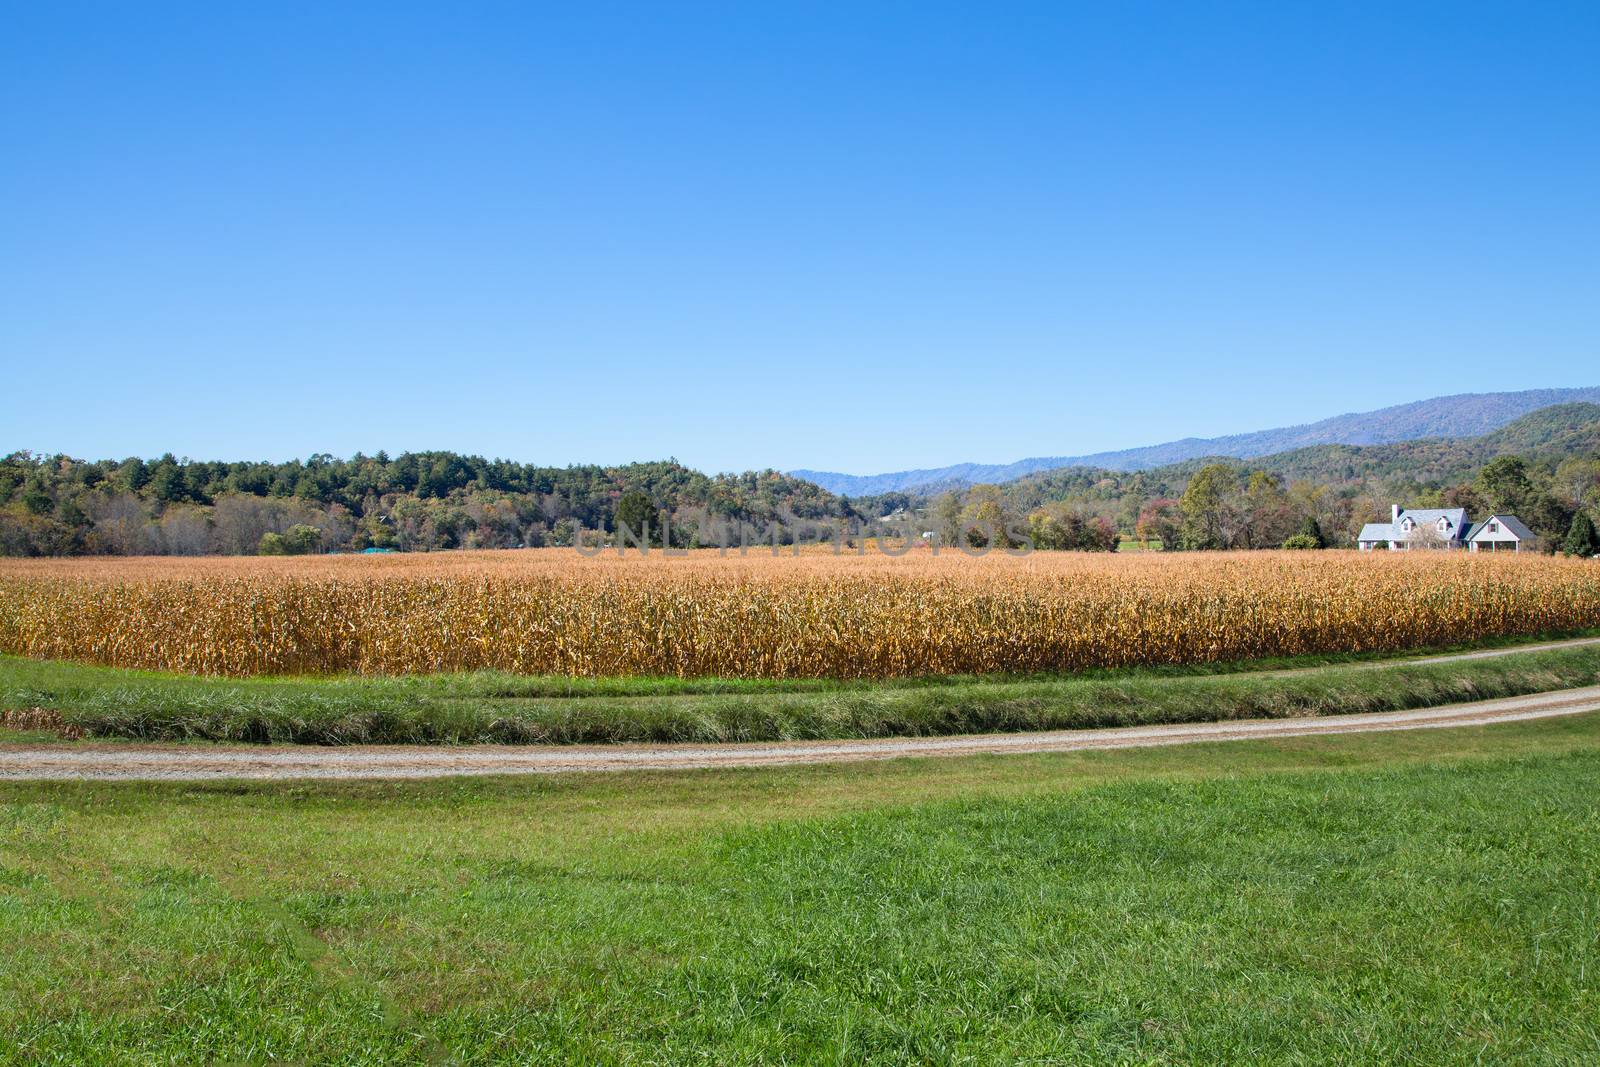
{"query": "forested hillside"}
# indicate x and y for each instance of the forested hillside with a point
(1544, 467)
(1551, 434)
(1462, 415)
(55, 505)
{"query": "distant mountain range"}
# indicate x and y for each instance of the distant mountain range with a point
(1462, 415)
(1544, 437)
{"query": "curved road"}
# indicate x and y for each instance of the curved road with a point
(1451, 657)
(192, 763)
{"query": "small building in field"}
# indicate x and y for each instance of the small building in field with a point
(1499, 533)
(1444, 528)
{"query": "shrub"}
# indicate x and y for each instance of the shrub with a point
(302, 540)
(1313, 529)
(298, 540)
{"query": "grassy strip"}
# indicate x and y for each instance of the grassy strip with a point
(475, 709)
(1422, 898)
(503, 685)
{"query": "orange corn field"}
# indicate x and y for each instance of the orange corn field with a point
(816, 615)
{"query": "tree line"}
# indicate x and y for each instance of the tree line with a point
(424, 501)
(1228, 505)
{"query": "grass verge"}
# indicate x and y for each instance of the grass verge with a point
(460, 709)
(1427, 898)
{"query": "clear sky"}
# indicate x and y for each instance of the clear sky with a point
(857, 237)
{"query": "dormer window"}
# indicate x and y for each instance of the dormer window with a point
(1444, 525)
(1406, 524)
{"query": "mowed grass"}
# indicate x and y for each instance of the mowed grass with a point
(1424, 897)
(501, 708)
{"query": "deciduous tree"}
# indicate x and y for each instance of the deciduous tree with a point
(1210, 511)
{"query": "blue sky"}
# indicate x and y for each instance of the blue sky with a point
(852, 237)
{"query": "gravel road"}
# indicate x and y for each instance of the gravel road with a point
(1456, 657)
(196, 762)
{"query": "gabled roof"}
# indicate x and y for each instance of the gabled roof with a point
(1511, 523)
(1376, 531)
(1430, 516)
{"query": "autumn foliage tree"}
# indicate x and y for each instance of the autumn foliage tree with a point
(1062, 528)
(1160, 520)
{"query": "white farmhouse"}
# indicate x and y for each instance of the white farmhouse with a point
(1499, 533)
(1447, 528)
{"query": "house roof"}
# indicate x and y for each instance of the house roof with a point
(1429, 516)
(1511, 523)
(1376, 531)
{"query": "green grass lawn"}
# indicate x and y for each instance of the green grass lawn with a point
(1426, 897)
(503, 708)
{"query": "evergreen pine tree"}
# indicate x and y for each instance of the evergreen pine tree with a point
(1313, 529)
(1582, 537)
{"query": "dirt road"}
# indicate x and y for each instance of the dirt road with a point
(1454, 657)
(196, 762)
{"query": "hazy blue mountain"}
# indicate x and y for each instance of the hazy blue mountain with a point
(1463, 415)
(1548, 436)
